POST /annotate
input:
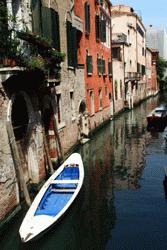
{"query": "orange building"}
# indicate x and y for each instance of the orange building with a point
(94, 54)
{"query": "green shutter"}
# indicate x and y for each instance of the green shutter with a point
(110, 68)
(36, 16)
(89, 64)
(87, 17)
(103, 31)
(74, 46)
(97, 22)
(55, 29)
(99, 66)
(88, 9)
(47, 23)
(104, 66)
(69, 46)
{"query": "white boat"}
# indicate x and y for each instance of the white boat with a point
(54, 198)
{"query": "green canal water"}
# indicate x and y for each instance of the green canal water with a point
(122, 203)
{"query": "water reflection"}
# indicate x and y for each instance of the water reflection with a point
(114, 159)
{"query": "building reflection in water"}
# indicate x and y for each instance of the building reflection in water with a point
(113, 160)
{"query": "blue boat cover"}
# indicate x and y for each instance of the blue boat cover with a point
(53, 202)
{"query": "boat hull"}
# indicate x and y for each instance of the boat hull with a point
(54, 198)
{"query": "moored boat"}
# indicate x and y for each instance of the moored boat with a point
(158, 117)
(54, 198)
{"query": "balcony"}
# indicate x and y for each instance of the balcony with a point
(133, 76)
(119, 38)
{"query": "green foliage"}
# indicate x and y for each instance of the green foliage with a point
(161, 68)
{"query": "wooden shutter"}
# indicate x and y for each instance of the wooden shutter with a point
(71, 45)
(110, 68)
(74, 46)
(55, 29)
(87, 17)
(89, 64)
(103, 31)
(36, 16)
(97, 22)
(104, 66)
(47, 23)
(99, 66)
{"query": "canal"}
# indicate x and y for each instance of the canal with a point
(122, 204)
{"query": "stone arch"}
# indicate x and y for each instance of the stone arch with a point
(25, 137)
(24, 99)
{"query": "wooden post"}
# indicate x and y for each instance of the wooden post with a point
(17, 162)
(47, 153)
(58, 138)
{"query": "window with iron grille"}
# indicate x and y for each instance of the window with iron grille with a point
(87, 18)
(89, 65)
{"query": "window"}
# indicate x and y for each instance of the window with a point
(46, 22)
(100, 98)
(71, 45)
(143, 52)
(59, 107)
(100, 29)
(99, 66)
(91, 102)
(89, 65)
(116, 53)
(87, 18)
(139, 29)
(116, 89)
(103, 66)
(143, 69)
(121, 89)
(72, 101)
(109, 68)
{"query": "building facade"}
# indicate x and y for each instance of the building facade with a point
(95, 55)
(42, 97)
(127, 23)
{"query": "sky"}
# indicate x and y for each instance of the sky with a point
(153, 12)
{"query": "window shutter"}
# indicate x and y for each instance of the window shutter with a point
(55, 29)
(97, 21)
(110, 68)
(103, 66)
(47, 23)
(87, 18)
(74, 46)
(71, 45)
(89, 64)
(88, 9)
(103, 31)
(36, 16)
(99, 66)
